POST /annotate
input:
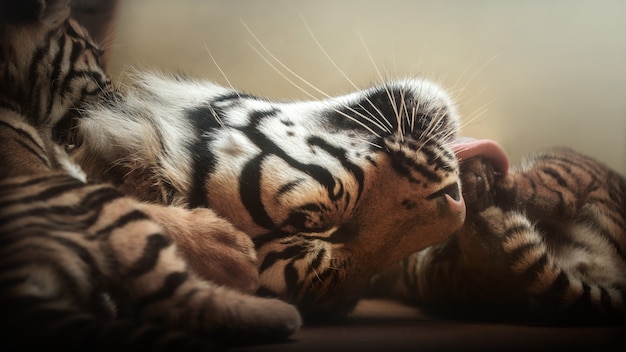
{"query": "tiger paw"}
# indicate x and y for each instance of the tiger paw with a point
(483, 241)
(211, 245)
(254, 319)
(477, 179)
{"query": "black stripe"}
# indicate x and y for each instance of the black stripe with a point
(272, 257)
(429, 150)
(516, 229)
(29, 136)
(7, 187)
(171, 283)
(56, 67)
(128, 218)
(232, 96)
(32, 151)
(402, 164)
(250, 192)
(605, 299)
(535, 269)
(38, 89)
(552, 298)
(262, 239)
(287, 187)
(150, 256)
(591, 220)
(250, 189)
(556, 175)
(292, 279)
(516, 254)
(203, 122)
(341, 155)
(27, 254)
(69, 215)
(65, 185)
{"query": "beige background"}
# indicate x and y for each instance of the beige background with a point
(530, 74)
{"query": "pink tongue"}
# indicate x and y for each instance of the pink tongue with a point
(466, 148)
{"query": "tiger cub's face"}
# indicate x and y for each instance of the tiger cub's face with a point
(362, 181)
(49, 65)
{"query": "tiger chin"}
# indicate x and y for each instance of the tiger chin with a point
(543, 242)
(82, 265)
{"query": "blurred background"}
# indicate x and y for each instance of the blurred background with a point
(529, 74)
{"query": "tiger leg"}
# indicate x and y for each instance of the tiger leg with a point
(51, 288)
(524, 233)
(499, 267)
(161, 288)
(553, 291)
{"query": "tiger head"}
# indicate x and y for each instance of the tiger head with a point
(49, 65)
(393, 188)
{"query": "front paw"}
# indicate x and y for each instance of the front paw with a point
(219, 252)
(477, 179)
(211, 245)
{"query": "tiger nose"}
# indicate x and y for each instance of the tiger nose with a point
(453, 197)
(452, 190)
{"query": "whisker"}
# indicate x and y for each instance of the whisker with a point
(314, 98)
(373, 144)
(403, 108)
(480, 69)
(413, 111)
(279, 62)
(220, 68)
(477, 114)
(319, 45)
(430, 130)
(374, 122)
(356, 121)
(378, 123)
(373, 119)
(306, 92)
(216, 116)
(467, 102)
(382, 80)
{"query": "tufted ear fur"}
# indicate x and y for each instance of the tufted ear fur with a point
(50, 12)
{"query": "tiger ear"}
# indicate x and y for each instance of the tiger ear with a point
(49, 12)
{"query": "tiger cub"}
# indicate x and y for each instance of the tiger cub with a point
(84, 267)
(330, 191)
(544, 241)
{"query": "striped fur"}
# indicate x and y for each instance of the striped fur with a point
(323, 188)
(82, 267)
(546, 243)
(330, 191)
